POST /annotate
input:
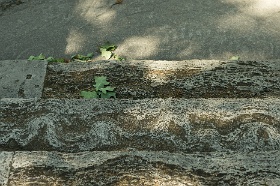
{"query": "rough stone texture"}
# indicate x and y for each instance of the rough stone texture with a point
(146, 168)
(22, 78)
(5, 163)
(164, 79)
(7, 4)
(194, 125)
(149, 141)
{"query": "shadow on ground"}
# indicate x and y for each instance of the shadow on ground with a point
(154, 29)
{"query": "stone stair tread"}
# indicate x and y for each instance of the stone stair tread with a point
(186, 125)
(139, 168)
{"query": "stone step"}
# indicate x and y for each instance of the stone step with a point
(142, 79)
(185, 125)
(165, 79)
(140, 168)
(160, 131)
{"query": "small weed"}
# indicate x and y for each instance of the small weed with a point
(58, 60)
(107, 52)
(77, 57)
(102, 89)
(49, 59)
(234, 58)
(40, 57)
(80, 57)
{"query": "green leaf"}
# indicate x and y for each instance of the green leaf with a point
(108, 95)
(82, 57)
(31, 58)
(41, 57)
(118, 58)
(60, 60)
(90, 55)
(234, 58)
(108, 47)
(105, 53)
(108, 88)
(89, 95)
(100, 82)
(75, 56)
(50, 59)
(102, 90)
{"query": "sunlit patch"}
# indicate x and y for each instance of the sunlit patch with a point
(138, 47)
(264, 7)
(74, 41)
(98, 12)
(260, 55)
(249, 15)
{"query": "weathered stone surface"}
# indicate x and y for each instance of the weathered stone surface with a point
(22, 78)
(5, 163)
(186, 125)
(145, 168)
(165, 79)
(148, 141)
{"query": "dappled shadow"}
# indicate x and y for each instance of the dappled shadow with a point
(6, 4)
(152, 30)
(144, 30)
(167, 79)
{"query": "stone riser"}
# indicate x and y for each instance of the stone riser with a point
(140, 168)
(186, 125)
(165, 79)
(142, 79)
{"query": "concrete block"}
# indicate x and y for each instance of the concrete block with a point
(22, 78)
(5, 162)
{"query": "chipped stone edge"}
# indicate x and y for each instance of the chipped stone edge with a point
(6, 161)
(188, 161)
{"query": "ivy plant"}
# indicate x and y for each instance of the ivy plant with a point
(80, 57)
(40, 57)
(58, 60)
(77, 57)
(102, 89)
(49, 59)
(107, 52)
